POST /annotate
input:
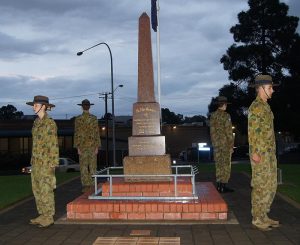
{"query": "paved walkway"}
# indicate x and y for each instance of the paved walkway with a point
(14, 227)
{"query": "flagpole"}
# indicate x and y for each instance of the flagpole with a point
(158, 61)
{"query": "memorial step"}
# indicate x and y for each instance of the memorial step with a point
(164, 188)
(209, 206)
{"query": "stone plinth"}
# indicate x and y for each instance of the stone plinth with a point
(135, 165)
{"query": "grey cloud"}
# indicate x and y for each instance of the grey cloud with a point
(64, 92)
(12, 47)
(194, 36)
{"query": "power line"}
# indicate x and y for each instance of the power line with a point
(100, 93)
(75, 96)
(60, 98)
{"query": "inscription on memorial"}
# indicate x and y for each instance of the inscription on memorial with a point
(146, 146)
(145, 119)
(145, 127)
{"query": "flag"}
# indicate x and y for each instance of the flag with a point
(154, 15)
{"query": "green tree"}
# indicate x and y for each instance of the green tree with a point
(196, 118)
(266, 42)
(286, 103)
(263, 40)
(170, 117)
(10, 112)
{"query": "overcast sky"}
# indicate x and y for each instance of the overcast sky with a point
(39, 40)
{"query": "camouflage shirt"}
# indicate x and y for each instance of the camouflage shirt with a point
(45, 150)
(260, 128)
(86, 131)
(221, 129)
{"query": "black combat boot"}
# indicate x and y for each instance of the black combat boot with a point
(226, 188)
(221, 188)
(218, 186)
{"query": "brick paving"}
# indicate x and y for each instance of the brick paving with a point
(14, 227)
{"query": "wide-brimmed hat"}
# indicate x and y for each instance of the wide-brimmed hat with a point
(85, 102)
(262, 79)
(40, 99)
(221, 100)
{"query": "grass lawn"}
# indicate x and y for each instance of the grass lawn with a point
(17, 187)
(208, 167)
(14, 188)
(290, 177)
(291, 181)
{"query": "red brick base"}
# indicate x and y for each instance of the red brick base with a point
(155, 189)
(209, 206)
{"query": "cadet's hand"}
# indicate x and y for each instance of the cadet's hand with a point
(78, 151)
(52, 170)
(256, 158)
(96, 151)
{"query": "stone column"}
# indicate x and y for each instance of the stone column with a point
(147, 145)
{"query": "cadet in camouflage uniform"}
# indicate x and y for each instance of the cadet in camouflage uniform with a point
(262, 154)
(222, 141)
(87, 142)
(44, 159)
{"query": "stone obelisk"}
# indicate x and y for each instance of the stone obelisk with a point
(147, 154)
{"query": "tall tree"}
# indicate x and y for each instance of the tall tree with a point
(170, 117)
(263, 40)
(196, 118)
(286, 101)
(266, 42)
(10, 112)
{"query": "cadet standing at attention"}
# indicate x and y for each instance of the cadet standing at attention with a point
(222, 141)
(87, 141)
(262, 152)
(44, 159)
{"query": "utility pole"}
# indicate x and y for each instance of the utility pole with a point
(106, 129)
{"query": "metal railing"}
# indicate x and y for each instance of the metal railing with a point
(107, 175)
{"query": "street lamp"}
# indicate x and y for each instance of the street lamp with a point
(112, 97)
(119, 86)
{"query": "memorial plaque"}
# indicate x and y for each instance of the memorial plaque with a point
(147, 146)
(146, 119)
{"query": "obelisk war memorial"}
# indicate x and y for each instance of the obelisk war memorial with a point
(149, 189)
(146, 146)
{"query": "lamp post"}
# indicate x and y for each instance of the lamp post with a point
(106, 129)
(119, 86)
(105, 97)
(112, 97)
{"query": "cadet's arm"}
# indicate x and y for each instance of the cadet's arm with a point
(53, 148)
(255, 136)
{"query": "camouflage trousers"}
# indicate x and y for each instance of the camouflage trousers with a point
(43, 182)
(264, 185)
(88, 166)
(223, 164)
